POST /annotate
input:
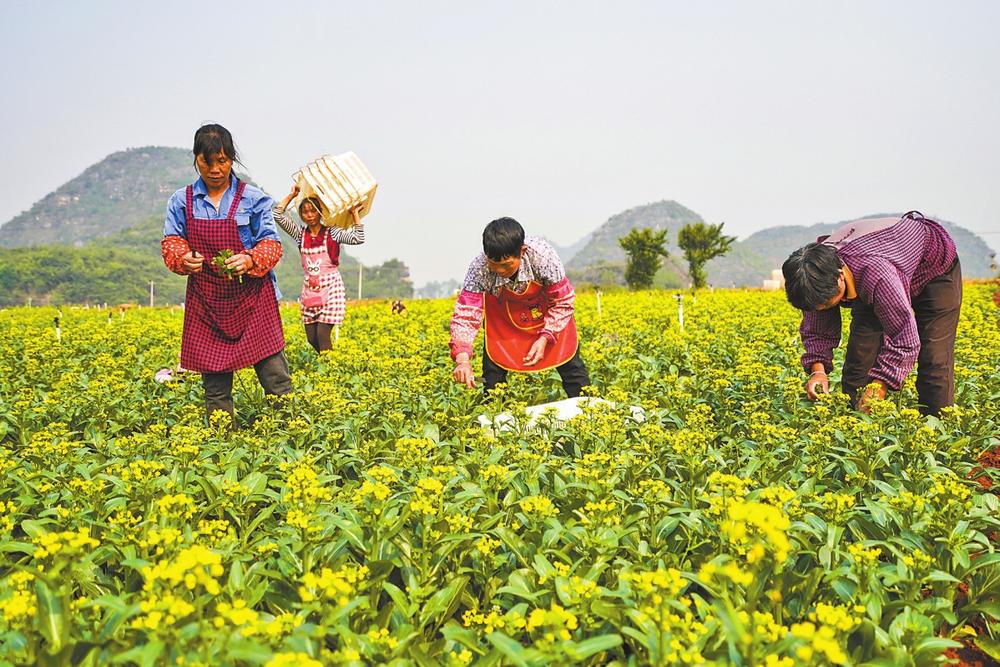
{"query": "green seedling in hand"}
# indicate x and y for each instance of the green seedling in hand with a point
(219, 262)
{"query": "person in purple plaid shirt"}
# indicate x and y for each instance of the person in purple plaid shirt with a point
(902, 280)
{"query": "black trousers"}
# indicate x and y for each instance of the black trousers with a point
(936, 310)
(318, 335)
(271, 371)
(573, 373)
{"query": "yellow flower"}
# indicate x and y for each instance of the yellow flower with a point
(427, 497)
(67, 544)
(494, 474)
(729, 571)
(333, 585)
(754, 529)
(177, 506)
(195, 566)
(303, 489)
(7, 512)
(864, 558)
(538, 507)
(236, 613)
(554, 623)
(19, 607)
(293, 659)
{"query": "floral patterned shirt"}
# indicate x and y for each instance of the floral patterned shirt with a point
(540, 263)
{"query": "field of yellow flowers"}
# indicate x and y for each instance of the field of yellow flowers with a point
(370, 520)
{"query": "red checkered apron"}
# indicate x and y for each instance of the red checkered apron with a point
(228, 325)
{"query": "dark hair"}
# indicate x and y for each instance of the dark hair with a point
(503, 238)
(210, 139)
(811, 276)
(315, 202)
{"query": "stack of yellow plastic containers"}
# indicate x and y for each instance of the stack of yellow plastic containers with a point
(340, 182)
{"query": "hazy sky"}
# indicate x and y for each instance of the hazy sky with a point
(560, 114)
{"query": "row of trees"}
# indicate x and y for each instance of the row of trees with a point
(646, 250)
(96, 274)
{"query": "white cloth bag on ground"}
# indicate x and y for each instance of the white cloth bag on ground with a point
(564, 411)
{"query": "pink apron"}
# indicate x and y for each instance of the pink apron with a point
(323, 297)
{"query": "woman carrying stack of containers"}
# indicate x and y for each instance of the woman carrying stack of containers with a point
(323, 301)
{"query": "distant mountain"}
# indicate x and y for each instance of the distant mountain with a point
(112, 195)
(116, 207)
(567, 253)
(601, 260)
(753, 258)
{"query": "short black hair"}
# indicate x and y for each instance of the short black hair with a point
(812, 276)
(212, 138)
(503, 238)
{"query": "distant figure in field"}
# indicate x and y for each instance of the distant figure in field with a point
(220, 233)
(398, 308)
(323, 301)
(902, 280)
(521, 285)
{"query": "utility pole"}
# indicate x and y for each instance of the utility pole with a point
(151, 283)
(361, 276)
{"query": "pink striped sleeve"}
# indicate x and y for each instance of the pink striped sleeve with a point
(465, 322)
(561, 297)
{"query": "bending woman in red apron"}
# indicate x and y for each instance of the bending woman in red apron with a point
(521, 285)
(323, 300)
(220, 232)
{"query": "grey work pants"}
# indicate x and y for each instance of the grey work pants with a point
(271, 371)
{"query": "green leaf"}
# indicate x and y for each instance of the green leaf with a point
(518, 585)
(249, 651)
(399, 598)
(440, 602)
(261, 516)
(563, 591)
(510, 648)
(452, 631)
(543, 566)
(990, 647)
(588, 647)
(150, 653)
(23, 547)
(939, 575)
(983, 561)
(991, 609)
(235, 583)
(51, 619)
(934, 645)
(255, 482)
(35, 527)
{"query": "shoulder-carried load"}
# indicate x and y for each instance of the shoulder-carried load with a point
(340, 182)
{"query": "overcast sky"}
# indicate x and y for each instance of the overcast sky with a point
(559, 114)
